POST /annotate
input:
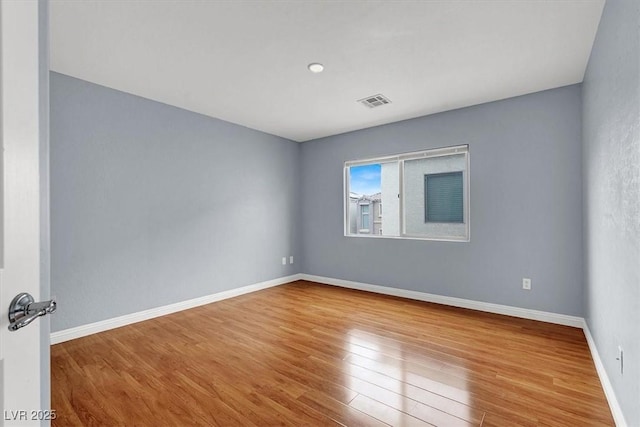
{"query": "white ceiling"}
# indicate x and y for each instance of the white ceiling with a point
(246, 61)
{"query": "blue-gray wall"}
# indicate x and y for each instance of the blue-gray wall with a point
(526, 205)
(152, 205)
(611, 133)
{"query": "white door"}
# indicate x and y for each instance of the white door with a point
(24, 377)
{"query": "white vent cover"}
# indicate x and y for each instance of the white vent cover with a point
(374, 101)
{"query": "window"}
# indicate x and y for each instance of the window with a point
(364, 217)
(425, 195)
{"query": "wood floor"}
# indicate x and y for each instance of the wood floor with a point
(305, 354)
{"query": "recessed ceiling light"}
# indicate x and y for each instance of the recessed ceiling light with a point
(315, 67)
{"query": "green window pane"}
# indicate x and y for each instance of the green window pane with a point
(444, 197)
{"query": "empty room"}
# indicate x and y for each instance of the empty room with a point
(311, 213)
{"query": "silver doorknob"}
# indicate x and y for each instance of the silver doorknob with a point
(23, 310)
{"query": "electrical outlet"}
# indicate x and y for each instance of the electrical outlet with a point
(291, 259)
(284, 260)
(620, 359)
(526, 283)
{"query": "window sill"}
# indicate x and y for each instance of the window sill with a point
(406, 237)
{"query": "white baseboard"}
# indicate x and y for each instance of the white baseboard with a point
(616, 410)
(116, 322)
(525, 313)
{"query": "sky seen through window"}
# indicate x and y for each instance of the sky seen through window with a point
(366, 179)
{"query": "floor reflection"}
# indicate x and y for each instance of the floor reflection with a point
(399, 386)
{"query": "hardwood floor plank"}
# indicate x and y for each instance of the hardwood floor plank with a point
(385, 413)
(309, 354)
(338, 411)
(437, 417)
(497, 420)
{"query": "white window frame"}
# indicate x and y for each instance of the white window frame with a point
(401, 158)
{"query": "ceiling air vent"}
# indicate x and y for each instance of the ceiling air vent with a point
(374, 101)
